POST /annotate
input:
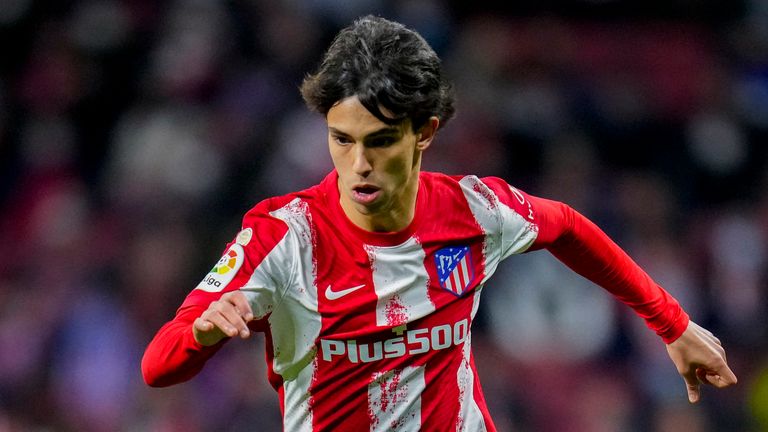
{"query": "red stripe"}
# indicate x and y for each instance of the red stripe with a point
(462, 275)
(335, 401)
(466, 272)
(457, 286)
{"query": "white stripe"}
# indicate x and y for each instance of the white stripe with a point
(298, 414)
(506, 231)
(295, 323)
(470, 416)
(401, 283)
(394, 399)
(458, 286)
(476, 300)
(454, 283)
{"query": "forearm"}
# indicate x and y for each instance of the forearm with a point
(587, 250)
(173, 356)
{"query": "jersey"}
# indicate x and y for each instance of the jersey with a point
(372, 331)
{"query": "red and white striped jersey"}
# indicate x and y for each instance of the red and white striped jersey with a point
(372, 331)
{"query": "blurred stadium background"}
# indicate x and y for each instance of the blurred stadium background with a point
(134, 135)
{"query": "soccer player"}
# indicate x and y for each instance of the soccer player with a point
(367, 283)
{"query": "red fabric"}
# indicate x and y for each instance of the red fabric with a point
(588, 251)
(174, 356)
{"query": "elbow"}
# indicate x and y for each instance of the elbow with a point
(151, 377)
(151, 372)
(151, 380)
(159, 371)
(154, 379)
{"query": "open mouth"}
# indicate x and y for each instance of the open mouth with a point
(365, 194)
(367, 190)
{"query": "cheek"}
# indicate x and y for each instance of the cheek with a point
(398, 169)
(337, 158)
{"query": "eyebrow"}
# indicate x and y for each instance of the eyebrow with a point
(390, 130)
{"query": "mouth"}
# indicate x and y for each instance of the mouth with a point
(365, 194)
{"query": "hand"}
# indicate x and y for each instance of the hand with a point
(226, 317)
(700, 358)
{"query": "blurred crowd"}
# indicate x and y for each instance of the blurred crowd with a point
(135, 134)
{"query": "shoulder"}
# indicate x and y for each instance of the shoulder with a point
(465, 180)
(277, 215)
(488, 194)
(488, 189)
(447, 183)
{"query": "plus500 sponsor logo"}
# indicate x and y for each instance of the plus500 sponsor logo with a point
(413, 342)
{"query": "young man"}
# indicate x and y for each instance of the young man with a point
(366, 284)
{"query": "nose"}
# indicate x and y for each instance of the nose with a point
(361, 165)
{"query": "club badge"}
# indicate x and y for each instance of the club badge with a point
(454, 269)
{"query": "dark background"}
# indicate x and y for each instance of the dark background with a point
(135, 134)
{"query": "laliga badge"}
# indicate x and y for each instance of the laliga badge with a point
(244, 237)
(224, 271)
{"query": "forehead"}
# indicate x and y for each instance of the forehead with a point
(352, 118)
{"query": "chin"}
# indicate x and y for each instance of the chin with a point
(368, 209)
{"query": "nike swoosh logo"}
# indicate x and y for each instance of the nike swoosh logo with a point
(335, 295)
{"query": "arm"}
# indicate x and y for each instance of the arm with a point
(217, 309)
(587, 250)
(582, 246)
(181, 347)
(173, 355)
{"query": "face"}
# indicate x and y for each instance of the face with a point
(378, 165)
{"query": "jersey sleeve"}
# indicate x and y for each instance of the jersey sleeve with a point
(254, 262)
(257, 261)
(586, 249)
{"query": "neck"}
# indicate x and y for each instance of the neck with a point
(394, 217)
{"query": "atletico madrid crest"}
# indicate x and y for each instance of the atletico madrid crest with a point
(454, 269)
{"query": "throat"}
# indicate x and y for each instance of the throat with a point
(384, 219)
(391, 220)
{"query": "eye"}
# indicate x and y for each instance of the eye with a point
(384, 141)
(341, 140)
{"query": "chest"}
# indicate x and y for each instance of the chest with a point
(363, 289)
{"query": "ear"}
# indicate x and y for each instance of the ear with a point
(427, 133)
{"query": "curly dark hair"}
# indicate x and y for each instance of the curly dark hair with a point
(386, 65)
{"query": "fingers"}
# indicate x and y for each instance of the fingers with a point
(720, 378)
(241, 303)
(205, 332)
(202, 325)
(226, 317)
(700, 358)
(692, 386)
(728, 377)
